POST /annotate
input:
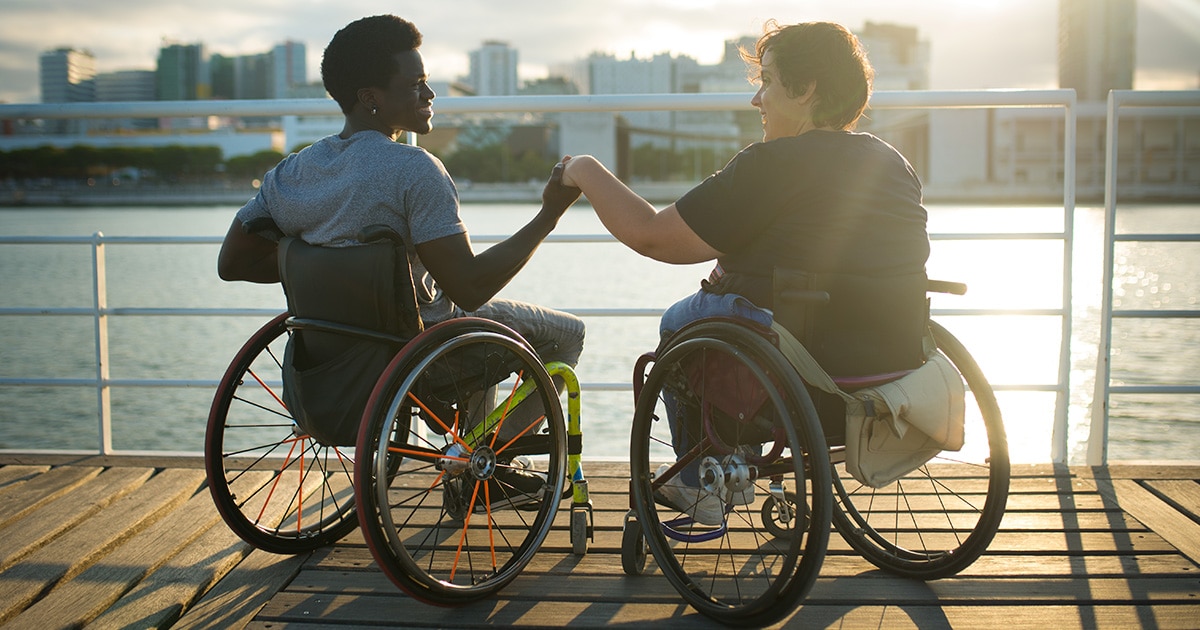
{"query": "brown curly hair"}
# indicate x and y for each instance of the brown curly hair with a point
(821, 53)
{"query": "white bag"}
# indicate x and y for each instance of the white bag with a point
(894, 428)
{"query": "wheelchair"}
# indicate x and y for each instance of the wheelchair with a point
(346, 411)
(767, 452)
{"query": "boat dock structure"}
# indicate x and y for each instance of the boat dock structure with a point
(128, 541)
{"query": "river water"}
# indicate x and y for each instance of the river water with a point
(1005, 274)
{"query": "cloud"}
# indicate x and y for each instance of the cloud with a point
(977, 44)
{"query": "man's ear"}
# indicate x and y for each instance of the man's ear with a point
(367, 97)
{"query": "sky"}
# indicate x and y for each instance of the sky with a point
(974, 44)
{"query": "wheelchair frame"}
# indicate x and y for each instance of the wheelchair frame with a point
(931, 523)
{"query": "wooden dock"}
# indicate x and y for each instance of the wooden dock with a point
(135, 542)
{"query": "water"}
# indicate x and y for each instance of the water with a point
(1003, 274)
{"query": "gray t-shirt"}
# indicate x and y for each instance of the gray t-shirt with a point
(329, 191)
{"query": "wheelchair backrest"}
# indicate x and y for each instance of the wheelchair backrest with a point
(867, 325)
(337, 296)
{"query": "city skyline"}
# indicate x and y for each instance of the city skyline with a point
(974, 45)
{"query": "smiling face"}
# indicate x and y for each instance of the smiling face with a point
(406, 103)
(783, 115)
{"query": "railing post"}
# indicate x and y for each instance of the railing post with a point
(100, 316)
(1059, 448)
(1097, 453)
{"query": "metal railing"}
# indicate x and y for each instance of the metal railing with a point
(101, 312)
(1097, 453)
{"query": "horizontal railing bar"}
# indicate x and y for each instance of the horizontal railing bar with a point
(78, 311)
(882, 99)
(212, 384)
(1158, 314)
(1154, 389)
(480, 238)
(1149, 238)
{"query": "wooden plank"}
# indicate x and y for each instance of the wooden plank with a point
(28, 533)
(75, 550)
(18, 473)
(1182, 494)
(245, 590)
(1176, 528)
(296, 611)
(91, 592)
(159, 599)
(852, 617)
(17, 500)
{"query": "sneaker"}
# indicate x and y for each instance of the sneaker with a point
(512, 485)
(745, 496)
(703, 506)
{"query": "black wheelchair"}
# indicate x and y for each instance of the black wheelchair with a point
(735, 498)
(346, 411)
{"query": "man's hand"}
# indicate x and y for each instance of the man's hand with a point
(556, 196)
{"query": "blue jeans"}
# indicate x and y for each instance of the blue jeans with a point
(696, 306)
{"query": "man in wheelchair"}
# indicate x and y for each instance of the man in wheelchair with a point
(813, 204)
(326, 194)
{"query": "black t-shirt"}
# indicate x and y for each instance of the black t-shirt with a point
(822, 201)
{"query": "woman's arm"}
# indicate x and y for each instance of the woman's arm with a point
(663, 236)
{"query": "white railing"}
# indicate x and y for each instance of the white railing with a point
(101, 312)
(1098, 439)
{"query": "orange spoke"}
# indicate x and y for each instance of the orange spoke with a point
(275, 482)
(414, 453)
(269, 390)
(518, 436)
(466, 524)
(451, 431)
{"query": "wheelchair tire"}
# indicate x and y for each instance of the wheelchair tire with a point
(938, 519)
(436, 511)
(279, 491)
(738, 572)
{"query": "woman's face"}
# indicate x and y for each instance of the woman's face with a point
(407, 102)
(783, 115)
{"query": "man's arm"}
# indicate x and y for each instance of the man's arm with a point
(469, 279)
(246, 256)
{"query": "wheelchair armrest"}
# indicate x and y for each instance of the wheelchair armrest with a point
(944, 286)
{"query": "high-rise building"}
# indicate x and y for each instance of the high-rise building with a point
(289, 68)
(493, 69)
(183, 73)
(124, 86)
(67, 76)
(1096, 46)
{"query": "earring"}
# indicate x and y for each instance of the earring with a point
(374, 111)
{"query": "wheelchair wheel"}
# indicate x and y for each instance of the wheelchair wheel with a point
(938, 519)
(746, 424)
(451, 513)
(279, 491)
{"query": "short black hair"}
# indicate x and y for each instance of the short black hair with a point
(362, 55)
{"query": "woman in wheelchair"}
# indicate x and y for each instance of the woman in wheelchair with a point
(815, 198)
(327, 193)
